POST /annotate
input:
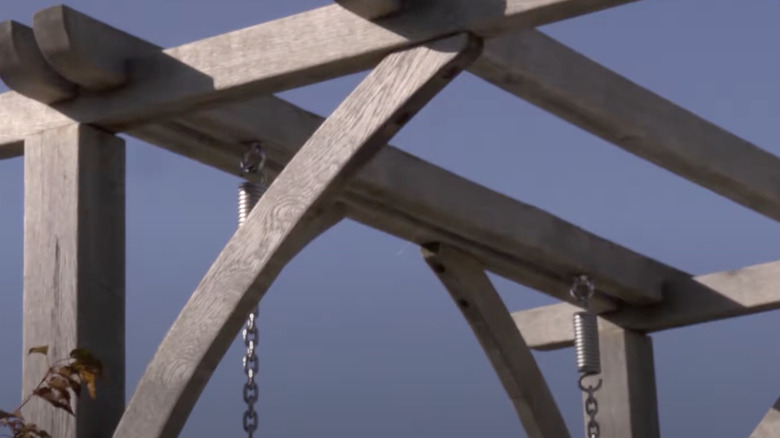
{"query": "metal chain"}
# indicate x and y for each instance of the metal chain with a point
(593, 429)
(249, 193)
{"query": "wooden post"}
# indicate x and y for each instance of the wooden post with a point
(627, 402)
(74, 269)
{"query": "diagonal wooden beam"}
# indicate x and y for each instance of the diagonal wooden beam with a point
(276, 229)
(726, 295)
(769, 427)
(301, 49)
(473, 292)
(397, 192)
(545, 72)
(627, 399)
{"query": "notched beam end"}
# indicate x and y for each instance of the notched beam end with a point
(24, 69)
(86, 51)
(372, 9)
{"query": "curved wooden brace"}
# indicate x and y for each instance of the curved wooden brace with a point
(279, 227)
(24, 69)
(465, 279)
(67, 40)
(769, 427)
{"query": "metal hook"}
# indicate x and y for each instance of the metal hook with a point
(254, 159)
(589, 388)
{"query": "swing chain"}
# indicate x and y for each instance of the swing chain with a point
(249, 193)
(591, 407)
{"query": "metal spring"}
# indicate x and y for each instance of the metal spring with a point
(586, 343)
(248, 195)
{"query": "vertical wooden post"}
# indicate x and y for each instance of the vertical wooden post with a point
(74, 269)
(627, 401)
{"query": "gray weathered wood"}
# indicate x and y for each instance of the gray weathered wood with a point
(276, 230)
(769, 427)
(568, 84)
(86, 51)
(473, 292)
(523, 243)
(302, 49)
(372, 9)
(726, 294)
(23, 68)
(74, 269)
(627, 400)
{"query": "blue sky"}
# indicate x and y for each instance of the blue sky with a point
(357, 336)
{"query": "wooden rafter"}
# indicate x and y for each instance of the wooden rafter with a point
(397, 192)
(769, 427)
(277, 229)
(473, 292)
(543, 71)
(727, 294)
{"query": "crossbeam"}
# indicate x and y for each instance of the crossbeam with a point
(473, 292)
(726, 295)
(397, 192)
(769, 427)
(277, 229)
(556, 78)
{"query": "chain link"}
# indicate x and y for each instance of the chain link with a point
(592, 408)
(250, 363)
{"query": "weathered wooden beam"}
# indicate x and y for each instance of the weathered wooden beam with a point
(23, 68)
(726, 294)
(397, 192)
(74, 269)
(473, 292)
(627, 399)
(372, 9)
(769, 427)
(545, 72)
(301, 49)
(276, 229)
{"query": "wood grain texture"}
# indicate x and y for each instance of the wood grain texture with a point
(23, 68)
(371, 9)
(628, 403)
(278, 228)
(769, 427)
(473, 292)
(86, 51)
(74, 269)
(534, 66)
(726, 294)
(298, 50)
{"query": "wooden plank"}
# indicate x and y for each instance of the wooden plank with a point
(769, 427)
(277, 229)
(23, 68)
(473, 292)
(522, 243)
(726, 294)
(298, 50)
(627, 400)
(371, 9)
(74, 269)
(534, 66)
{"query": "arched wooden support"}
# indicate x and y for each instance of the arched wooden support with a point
(473, 292)
(277, 228)
(67, 40)
(74, 269)
(627, 400)
(24, 69)
(769, 427)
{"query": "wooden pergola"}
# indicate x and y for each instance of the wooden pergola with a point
(77, 82)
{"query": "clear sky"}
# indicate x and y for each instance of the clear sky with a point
(358, 338)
